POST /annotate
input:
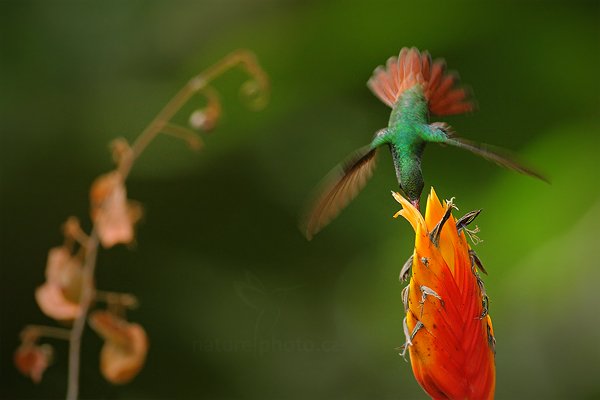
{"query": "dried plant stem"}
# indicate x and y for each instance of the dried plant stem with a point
(46, 331)
(160, 123)
(187, 135)
(196, 84)
(87, 295)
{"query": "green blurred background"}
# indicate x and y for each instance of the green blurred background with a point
(237, 304)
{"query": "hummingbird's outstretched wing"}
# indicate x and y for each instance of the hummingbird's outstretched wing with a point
(495, 154)
(339, 187)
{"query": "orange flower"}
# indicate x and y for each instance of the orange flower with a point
(32, 360)
(58, 297)
(113, 215)
(124, 352)
(448, 331)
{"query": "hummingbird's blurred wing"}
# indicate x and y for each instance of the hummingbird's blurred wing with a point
(339, 187)
(495, 154)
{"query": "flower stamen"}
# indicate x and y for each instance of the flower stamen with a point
(471, 233)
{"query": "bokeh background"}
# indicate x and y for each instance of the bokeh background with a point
(237, 304)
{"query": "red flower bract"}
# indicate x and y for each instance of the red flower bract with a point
(449, 334)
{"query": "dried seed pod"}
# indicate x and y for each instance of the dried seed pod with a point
(32, 360)
(125, 348)
(59, 296)
(113, 215)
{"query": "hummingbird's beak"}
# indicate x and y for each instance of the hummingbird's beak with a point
(416, 204)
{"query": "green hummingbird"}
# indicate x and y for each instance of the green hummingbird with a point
(415, 87)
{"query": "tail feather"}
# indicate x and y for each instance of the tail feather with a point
(413, 67)
(437, 71)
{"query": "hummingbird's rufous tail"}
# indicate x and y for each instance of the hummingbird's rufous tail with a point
(411, 67)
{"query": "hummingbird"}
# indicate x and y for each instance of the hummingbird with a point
(415, 87)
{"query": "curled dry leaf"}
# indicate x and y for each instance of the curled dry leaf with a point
(125, 348)
(113, 215)
(59, 296)
(32, 360)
